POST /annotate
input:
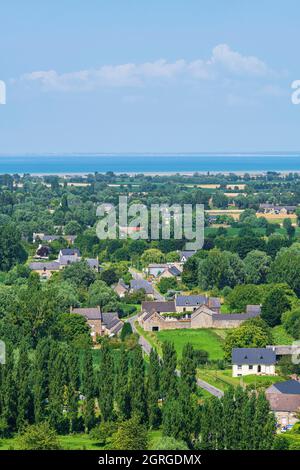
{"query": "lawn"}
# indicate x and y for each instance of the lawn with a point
(205, 339)
(78, 442)
(222, 379)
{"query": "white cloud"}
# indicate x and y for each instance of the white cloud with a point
(223, 63)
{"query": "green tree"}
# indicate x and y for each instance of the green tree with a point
(126, 331)
(41, 380)
(257, 267)
(137, 384)
(39, 437)
(106, 382)
(24, 393)
(88, 390)
(131, 435)
(220, 269)
(79, 274)
(122, 397)
(291, 322)
(169, 443)
(100, 294)
(153, 255)
(286, 267)
(153, 390)
(11, 248)
(188, 367)
(275, 304)
(168, 371)
(167, 283)
(253, 333)
(289, 228)
(8, 397)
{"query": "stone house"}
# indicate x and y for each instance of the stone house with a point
(189, 303)
(65, 258)
(45, 269)
(156, 316)
(284, 399)
(100, 323)
(121, 289)
(249, 361)
(142, 284)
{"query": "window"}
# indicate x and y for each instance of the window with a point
(239, 367)
(155, 328)
(250, 367)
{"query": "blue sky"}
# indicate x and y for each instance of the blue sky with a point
(149, 75)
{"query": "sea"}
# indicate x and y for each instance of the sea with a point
(149, 163)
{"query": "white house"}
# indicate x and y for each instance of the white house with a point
(257, 361)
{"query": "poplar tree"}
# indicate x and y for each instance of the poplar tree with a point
(137, 385)
(247, 420)
(240, 398)
(8, 391)
(41, 380)
(121, 385)
(72, 387)
(262, 424)
(57, 381)
(106, 382)
(168, 371)
(228, 413)
(88, 390)
(188, 367)
(153, 390)
(23, 388)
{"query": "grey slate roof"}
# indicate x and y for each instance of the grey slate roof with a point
(49, 266)
(187, 254)
(190, 300)
(253, 309)
(159, 307)
(112, 322)
(236, 316)
(253, 356)
(50, 238)
(214, 302)
(289, 387)
(175, 271)
(90, 313)
(93, 263)
(70, 252)
(136, 284)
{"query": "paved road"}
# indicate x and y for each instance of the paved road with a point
(146, 346)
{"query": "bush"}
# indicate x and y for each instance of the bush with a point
(39, 437)
(169, 443)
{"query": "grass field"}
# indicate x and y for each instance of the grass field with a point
(79, 442)
(205, 339)
(222, 379)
